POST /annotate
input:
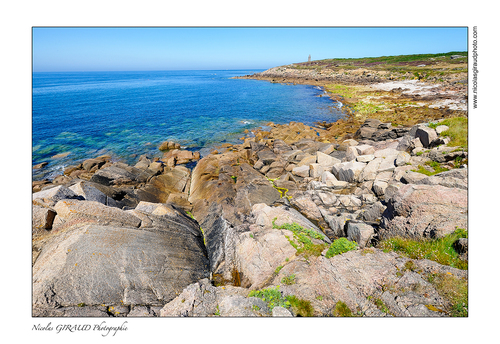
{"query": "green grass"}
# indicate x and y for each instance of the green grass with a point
(453, 289)
(434, 165)
(272, 296)
(288, 280)
(381, 305)
(458, 131)
(341, 310)
(300, 307)
(302, 239)
(340, 246)
(439, 250)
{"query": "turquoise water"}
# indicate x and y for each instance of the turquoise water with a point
(126, 114)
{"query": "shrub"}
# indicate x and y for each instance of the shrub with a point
(272, 296)
(340, 246)
(341, 310)
(300, 307)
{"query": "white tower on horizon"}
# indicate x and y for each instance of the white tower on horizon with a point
(309, 58)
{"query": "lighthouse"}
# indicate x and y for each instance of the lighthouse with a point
(309, 58)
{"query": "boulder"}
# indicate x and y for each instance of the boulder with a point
(301, 171)
(94, 265)
(370, 171)
(95, 212)
(402, 159)
(120, 174)
(89, 192)
(40, 165)
(89, 164)
(55, 194)
(202, 299)
(261, 250)
(326, 160)
(315, 170)
(307, 160)
(167, 145)
(266, 156)
(426, 135)
(365, 158)
(425, 211)
(360, 232)
(42, 218)
(441, 128)
(372, 213)
(364, 149)
(349, 171)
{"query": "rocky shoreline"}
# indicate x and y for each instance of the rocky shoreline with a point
(252, 220)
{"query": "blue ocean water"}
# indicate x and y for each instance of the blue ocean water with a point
(126, 114)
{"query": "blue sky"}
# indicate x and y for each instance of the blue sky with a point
(136, 49)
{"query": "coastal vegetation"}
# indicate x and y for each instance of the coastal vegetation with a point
(440, 250)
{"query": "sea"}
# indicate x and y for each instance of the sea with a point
(81, 115)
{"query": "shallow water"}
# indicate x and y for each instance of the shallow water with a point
(126, 114)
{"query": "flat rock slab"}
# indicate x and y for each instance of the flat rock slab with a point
(103, 265)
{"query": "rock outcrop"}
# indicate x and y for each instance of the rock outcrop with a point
(160, 239)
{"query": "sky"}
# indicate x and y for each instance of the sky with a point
(59, 49)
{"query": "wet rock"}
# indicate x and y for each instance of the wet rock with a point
(167, 145)
(40, 165)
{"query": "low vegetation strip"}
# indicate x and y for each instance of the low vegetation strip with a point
(439, 250)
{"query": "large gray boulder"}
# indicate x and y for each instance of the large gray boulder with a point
(424, 211)
(120, 174)
(98, 267)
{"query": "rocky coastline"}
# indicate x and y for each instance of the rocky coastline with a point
(252, 229)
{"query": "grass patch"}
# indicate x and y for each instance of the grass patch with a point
(453, 289)
(340, 246)
(458, 131)
(436, 167)
(302, 239)
(288, 280)
(381, 305)
(300, 307)
(341, 310)
(272, 296)
(439, 250)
